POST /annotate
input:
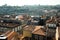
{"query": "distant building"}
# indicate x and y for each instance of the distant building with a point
(6, 25)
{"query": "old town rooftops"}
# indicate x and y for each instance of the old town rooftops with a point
(9, 23)
(35, 30)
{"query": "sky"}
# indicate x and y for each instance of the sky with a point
(29, 2)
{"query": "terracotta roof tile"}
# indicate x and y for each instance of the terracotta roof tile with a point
(35, 29)
(38, 30)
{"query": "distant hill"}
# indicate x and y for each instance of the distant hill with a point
(27, 9)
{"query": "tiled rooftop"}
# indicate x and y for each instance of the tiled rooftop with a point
(35, 30)
(8, 25)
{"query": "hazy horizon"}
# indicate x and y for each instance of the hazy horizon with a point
(29, 2)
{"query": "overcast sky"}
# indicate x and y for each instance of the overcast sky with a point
(29, 2)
